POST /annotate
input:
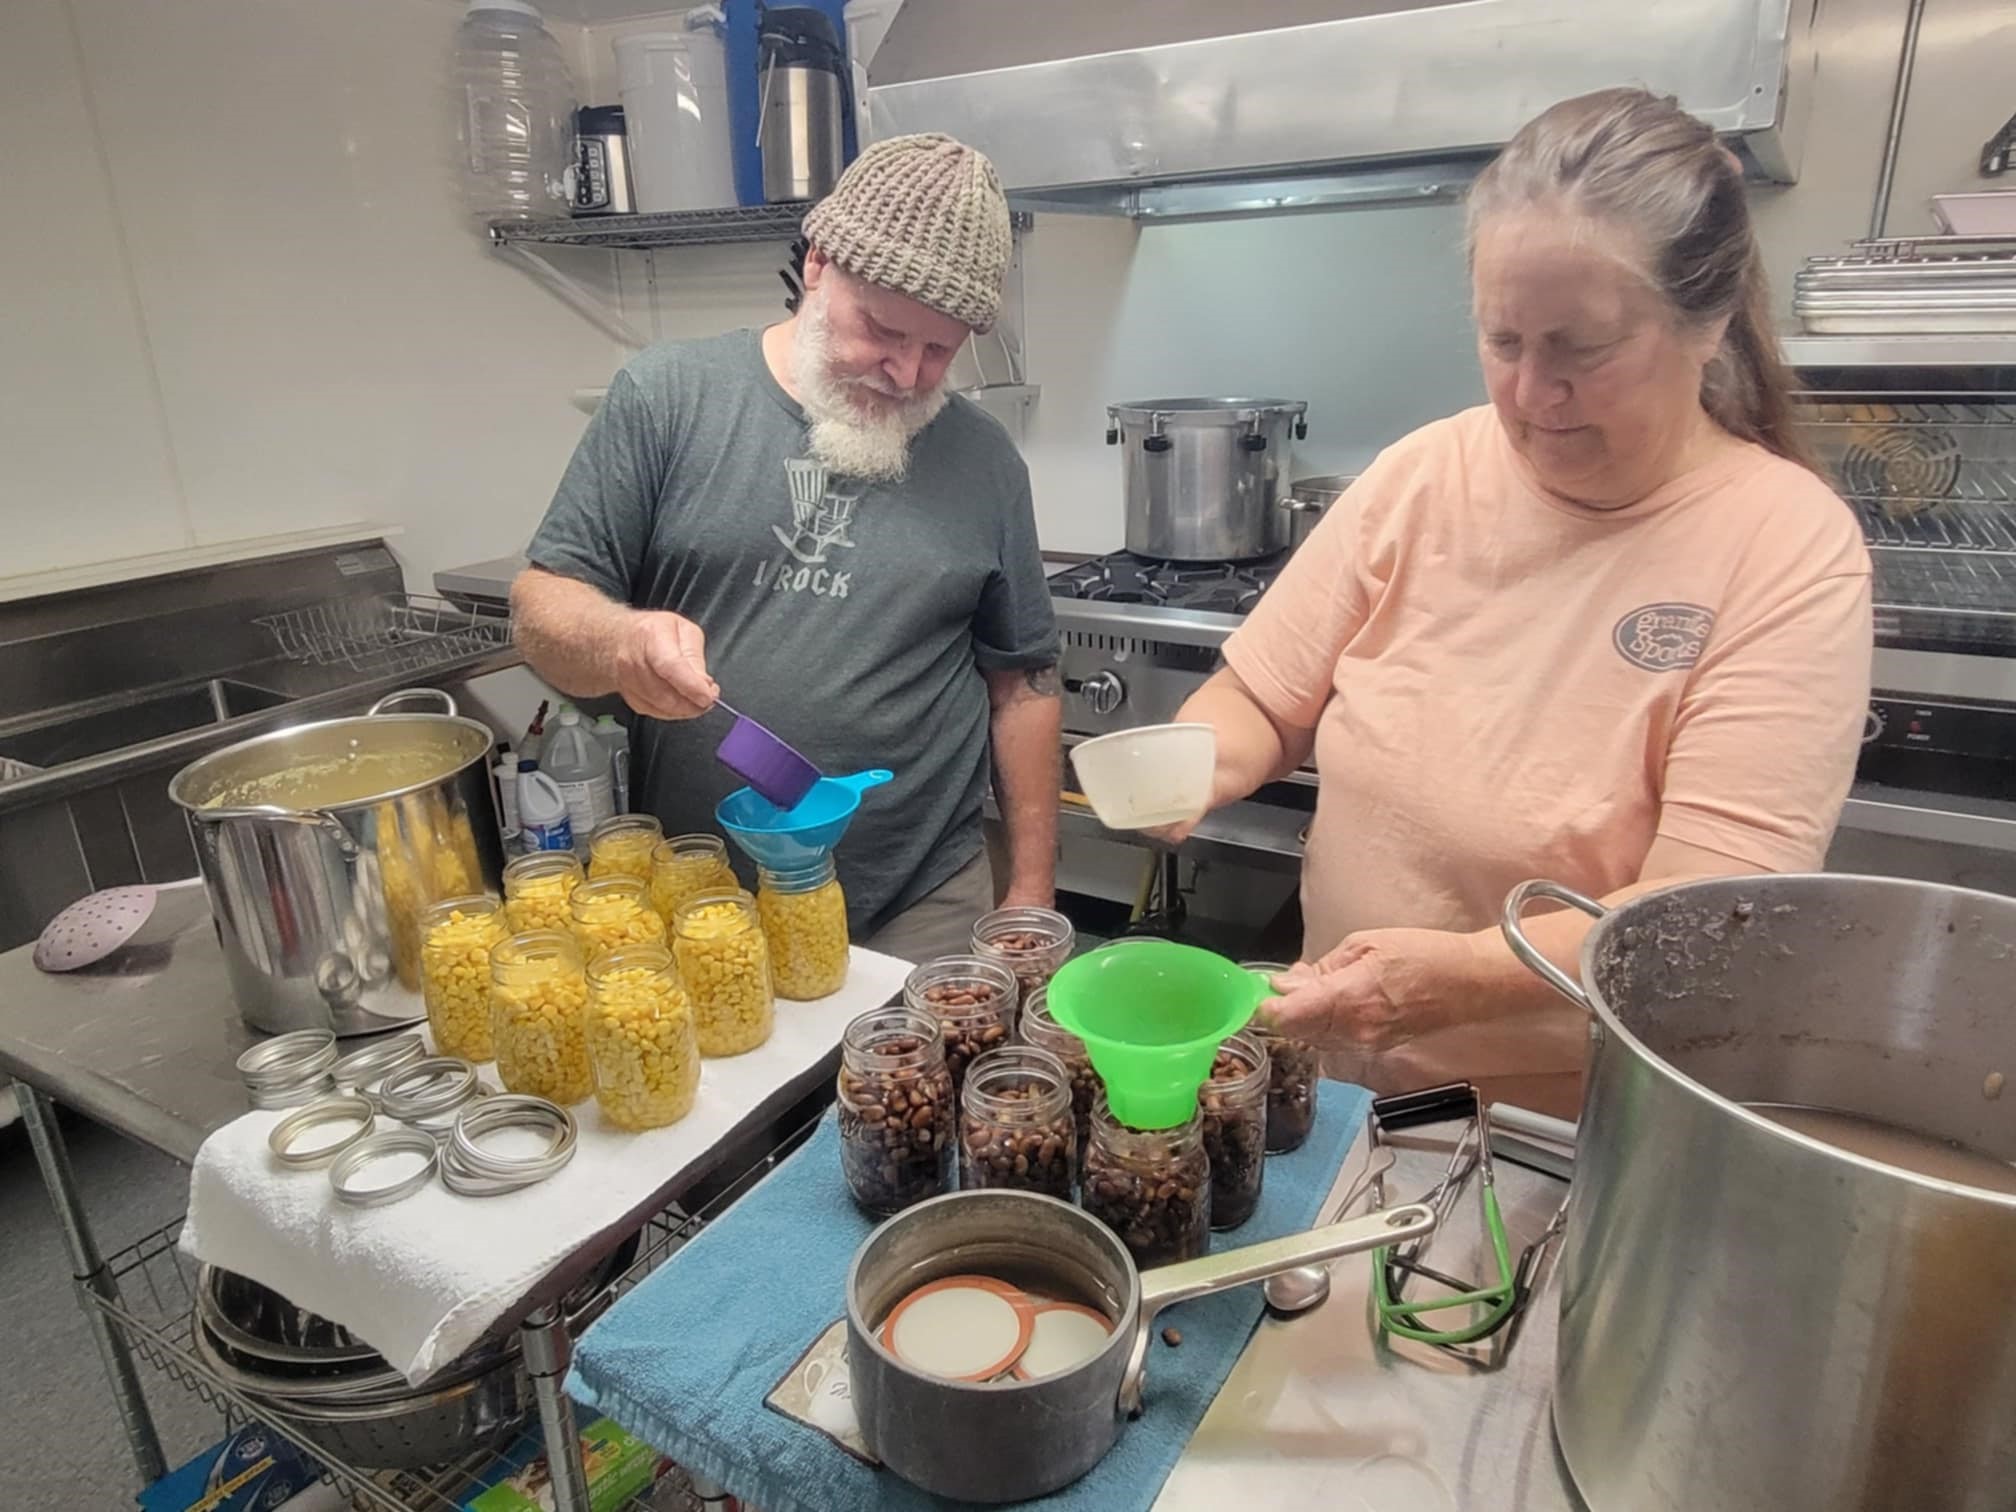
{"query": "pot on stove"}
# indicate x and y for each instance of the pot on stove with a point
(1204, 479)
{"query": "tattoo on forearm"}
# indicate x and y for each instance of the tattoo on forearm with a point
(1044, 681)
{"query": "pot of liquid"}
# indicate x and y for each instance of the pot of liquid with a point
(1791, 1240)
(1007, 1440)
(322, 845)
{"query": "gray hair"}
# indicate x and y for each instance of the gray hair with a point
(1638, 160)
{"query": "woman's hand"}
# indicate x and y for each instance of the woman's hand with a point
(1350, 998)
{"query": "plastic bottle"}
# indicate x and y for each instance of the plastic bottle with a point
(542, 814)
(616, 740)
(514, 109)
(579, 764)
(506, 773)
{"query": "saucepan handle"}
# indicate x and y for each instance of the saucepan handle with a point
(1529, 956)
(392, 701)
(1166, 1286)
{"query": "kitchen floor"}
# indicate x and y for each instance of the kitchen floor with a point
(64, 1447)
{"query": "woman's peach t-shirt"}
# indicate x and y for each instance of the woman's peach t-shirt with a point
(1504, 685)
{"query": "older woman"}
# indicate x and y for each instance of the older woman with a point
(1611, 629)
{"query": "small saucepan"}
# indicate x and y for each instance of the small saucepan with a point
(1308, 499)
(1008, 1442)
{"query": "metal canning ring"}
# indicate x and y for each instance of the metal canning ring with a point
(425, 1087)
(286, 1060)
(327, 1110)
(377, 1147)
(292, 1097)
(469, 1168)
(378, 1059)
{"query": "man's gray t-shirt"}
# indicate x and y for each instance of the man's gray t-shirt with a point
(852, 618)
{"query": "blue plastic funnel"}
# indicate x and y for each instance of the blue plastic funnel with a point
(785, 839)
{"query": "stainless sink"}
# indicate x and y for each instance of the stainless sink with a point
(114, 725)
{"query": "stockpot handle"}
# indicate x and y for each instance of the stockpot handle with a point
(410, 695)
(1523, 948)
(273, 814)
(1167, 1285)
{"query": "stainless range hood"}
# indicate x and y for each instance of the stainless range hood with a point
(1172, 108)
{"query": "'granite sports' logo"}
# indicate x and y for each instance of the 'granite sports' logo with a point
(1664, 637)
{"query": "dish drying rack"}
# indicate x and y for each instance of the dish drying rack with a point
(390, 632)
(1932, 480)
(154, 1307)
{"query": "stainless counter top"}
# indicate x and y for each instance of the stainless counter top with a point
(1321, 1411)
(489, 581)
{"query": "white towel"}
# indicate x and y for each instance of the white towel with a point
(423, 1279)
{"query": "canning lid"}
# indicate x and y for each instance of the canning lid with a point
(961, 1328)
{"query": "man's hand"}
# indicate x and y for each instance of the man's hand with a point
(661, 666)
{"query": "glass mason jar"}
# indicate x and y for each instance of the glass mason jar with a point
(725, 963)
(455, 939)
(622, 846)
(1152, 1187)
(610, 912)
(1037, 1028)
(641, 1045)
(1233, 1103)
(538, 1000)
(1031, 942)
(896, 1104)
(1015, 1125)
(804, 915)
(686, 866)
(974, 1000)
(1294, 1067)
(536, 888)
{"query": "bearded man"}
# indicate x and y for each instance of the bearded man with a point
(804, 517)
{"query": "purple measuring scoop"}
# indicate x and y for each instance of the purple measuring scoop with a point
(765, 762)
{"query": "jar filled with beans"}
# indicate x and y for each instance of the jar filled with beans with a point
(1015, 1127)
(718, 943)
(896, 1104)
(536, 888)
(1233, 1102)
(1036, 1027)
(455, 939)
(686, 866)
(804, 915)
(1031, 942)
(1293, 1069)
(622, 847)
(610, 912)
(974, 1000)
(538, 1002)
(1152, 1187)
(641, 1045)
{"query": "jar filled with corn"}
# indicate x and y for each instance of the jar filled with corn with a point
(536, 888)
(538, 1002)
(609, 913)
(804, 915)
(718, 943)
(621, 847)
(455, 939)
(641, 1043)
(686, 866)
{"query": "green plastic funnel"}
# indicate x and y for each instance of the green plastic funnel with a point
(1152, 1017)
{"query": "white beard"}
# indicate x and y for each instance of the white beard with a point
(852, 442)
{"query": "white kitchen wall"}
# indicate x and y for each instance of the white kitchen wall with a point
(261, 312)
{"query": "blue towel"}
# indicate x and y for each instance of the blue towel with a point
(685, 1360)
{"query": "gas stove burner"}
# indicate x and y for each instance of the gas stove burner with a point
(1109, 592)
(1212, 587)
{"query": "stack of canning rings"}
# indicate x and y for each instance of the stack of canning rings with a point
(376, 1061)
(426, 1094)
(471, 1168)
(289, 1070)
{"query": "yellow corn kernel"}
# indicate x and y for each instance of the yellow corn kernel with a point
(537, 1009)
(536, 888)
(807, 933)
(642, 1045)
(455, 975)
(683, 868)
(725, 964)
(621, 847)
(608, 913)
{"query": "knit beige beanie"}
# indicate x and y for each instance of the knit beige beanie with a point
(923, 215)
